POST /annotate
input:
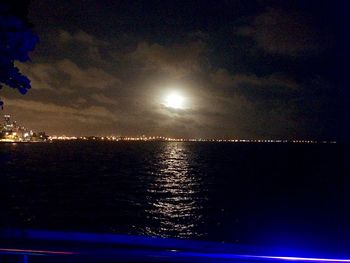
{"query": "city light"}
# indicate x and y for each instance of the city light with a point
(170, 139)
(10, 131)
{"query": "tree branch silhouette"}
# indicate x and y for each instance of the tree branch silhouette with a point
(16, 41)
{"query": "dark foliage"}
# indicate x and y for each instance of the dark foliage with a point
(16, 41)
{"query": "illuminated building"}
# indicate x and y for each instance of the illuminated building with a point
(11, 132)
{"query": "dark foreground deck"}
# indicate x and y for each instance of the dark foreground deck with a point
(49, 246)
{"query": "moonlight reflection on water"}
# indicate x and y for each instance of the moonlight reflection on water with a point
(244, 193)
(175, 208)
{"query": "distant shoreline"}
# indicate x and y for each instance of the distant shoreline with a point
(22, 141)
(178, 140)
(194, 141)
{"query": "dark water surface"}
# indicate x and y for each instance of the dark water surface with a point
(243, 193)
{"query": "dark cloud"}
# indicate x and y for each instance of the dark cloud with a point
(285, 32)
(223, 78)
(65, 75)
(103, 99)
(91, 111)
(79, 37)
(177, 60)
(82, 40)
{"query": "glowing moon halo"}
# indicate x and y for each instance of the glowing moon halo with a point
(175, 101)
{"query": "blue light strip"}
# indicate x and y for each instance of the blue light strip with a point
(306, 259)
(139, 247)
(125, 240)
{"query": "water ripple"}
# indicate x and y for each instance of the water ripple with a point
(173, 205)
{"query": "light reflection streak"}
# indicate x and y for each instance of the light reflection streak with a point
(303, 259)
(33, 251)
(173, 194)
(140, 247)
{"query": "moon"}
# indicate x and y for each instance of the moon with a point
(174, 100)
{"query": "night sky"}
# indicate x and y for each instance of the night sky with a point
(246, 69)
